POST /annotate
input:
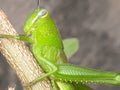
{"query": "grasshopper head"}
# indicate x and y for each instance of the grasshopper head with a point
(35, 19)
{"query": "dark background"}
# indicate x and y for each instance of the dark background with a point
(95, 23)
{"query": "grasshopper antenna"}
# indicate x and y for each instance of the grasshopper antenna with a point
(38, 3)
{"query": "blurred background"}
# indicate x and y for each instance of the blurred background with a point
(96, 23)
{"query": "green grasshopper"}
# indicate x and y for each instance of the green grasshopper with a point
(47, 47)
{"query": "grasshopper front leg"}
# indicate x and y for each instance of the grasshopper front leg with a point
(19, 37)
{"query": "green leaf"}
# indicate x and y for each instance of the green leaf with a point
(71, 46)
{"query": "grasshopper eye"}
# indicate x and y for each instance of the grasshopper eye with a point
(42, 13)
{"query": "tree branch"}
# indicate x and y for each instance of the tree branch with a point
(20, 58)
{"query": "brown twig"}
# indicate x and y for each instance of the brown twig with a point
(20, 58)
